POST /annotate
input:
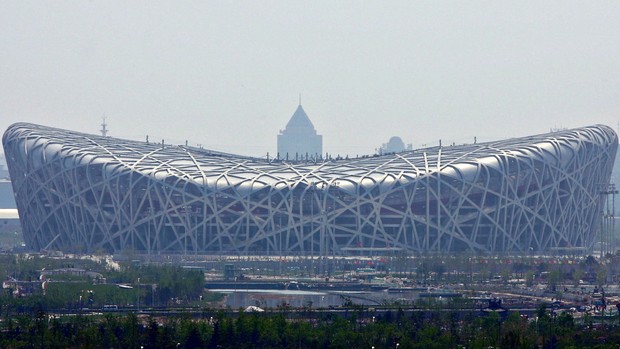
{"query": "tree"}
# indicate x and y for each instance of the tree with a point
(515, 333)
(529, 279)
(439, 268)
(577, 276)
(601, 276)
(193, 339)
(554, 278)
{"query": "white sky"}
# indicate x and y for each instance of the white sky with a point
(228, 75)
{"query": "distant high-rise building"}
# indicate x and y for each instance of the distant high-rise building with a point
(4, 173)
(299, 140)
(7, 199)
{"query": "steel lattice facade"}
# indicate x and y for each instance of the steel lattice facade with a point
(77, 192)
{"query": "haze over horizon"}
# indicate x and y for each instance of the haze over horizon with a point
(228, 75)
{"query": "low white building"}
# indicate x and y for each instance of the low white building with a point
(7, 198)
(10, 228)
(9, 218)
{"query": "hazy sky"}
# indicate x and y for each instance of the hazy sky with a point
(228, 75)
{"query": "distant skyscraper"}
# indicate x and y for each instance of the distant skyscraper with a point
(7, 199)
(299, 140)
(4, 173)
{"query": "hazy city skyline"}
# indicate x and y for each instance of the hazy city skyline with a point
(228, 75)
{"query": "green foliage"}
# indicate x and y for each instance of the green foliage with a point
(152, 285)
(555, 276)
(26, 322)
(278, 330)
(165, 284)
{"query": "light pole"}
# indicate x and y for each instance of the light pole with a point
(138, 295)
(607, 223)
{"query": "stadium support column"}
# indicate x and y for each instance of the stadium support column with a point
(613, 218)
(195, 234)
(323, 214)
(611, 214)
(439, 199)
(203, 245)
(603, 192)
(425, 241)
(149, 242)
(312, 200)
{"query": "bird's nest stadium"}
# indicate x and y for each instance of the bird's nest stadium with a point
(84, 193)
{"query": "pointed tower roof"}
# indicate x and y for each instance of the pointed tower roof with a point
(300, 122)
(299, 139)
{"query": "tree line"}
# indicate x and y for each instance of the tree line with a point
(392, 329)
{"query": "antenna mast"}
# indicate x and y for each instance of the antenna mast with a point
(104, 129)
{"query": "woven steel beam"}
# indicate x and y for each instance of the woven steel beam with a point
(78, 192)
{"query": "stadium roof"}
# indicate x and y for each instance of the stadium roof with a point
(212, 168)
(81, 192)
